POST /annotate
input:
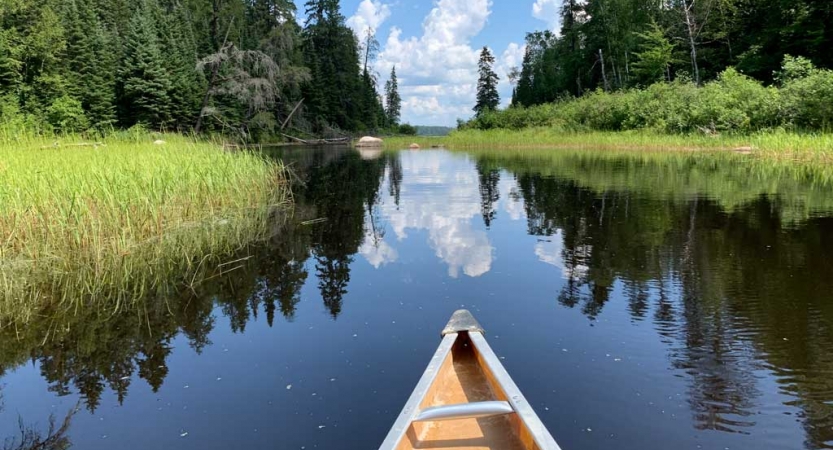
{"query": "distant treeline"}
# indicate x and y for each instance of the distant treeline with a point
(433, 131)
(237, 66)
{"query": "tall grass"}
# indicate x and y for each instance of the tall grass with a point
(770, 145)
(119, 220)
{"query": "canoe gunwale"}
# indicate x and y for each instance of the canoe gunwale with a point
(411, 409)
(542, 437)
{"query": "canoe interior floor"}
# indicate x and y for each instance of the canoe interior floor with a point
(461, 379)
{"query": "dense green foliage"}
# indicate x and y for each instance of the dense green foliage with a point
(237, 66)
(619, 44)
(732, 102)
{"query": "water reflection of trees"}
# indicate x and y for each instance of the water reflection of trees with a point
(92, 349)
(488, 181)
(731, 292)
(56, 436)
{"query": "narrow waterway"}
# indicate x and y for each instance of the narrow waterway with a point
(645, 302)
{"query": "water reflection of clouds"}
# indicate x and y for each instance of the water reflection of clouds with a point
(511, 199)
(441, 195)
(551, 251)
(378, 254)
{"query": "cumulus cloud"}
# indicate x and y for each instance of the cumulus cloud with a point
(369, 15)
(438, 70)
(511, 58)
(549, 12)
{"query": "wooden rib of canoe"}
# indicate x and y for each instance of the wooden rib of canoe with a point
(466, 400)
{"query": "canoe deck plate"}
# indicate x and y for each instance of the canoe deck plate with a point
(462, 320)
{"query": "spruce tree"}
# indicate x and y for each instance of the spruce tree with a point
(146, 84)
(331, 50)
(176, 36)
(488, 98)
(91, 62)
(393, 101)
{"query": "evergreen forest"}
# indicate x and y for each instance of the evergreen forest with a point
(247, 68)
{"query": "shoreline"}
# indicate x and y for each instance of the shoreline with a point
(781, 146)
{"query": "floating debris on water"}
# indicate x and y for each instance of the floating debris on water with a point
(288, 387)
(183, 434)
(322, 426)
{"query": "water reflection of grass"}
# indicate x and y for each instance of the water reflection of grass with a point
(776, 146)
(118, 220)
(729, 179)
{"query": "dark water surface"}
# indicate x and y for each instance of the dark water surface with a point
(639, 303)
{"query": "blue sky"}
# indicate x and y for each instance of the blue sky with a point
(435, 45)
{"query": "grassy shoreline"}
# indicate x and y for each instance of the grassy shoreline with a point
(123, 220)
(782, 146)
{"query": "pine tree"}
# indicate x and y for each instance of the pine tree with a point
(488, 98)
(146, 84)
(393, 101)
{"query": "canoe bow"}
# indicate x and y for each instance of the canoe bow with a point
(466, 399)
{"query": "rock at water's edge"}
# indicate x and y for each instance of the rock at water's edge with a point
(368, 141)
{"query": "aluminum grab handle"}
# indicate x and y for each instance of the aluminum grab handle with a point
(464, 411)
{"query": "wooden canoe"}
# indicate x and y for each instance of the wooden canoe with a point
(466, 400)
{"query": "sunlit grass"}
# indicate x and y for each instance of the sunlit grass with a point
(768, 145)
(116, 221)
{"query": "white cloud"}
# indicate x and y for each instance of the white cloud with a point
(438, 70)
(549, 12)
(512, 57)
(369, 15)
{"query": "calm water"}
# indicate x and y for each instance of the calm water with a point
(657, 303)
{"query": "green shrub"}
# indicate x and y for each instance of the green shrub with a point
(808, 102)
(66, 115)
(407, 129)
(733, 103)
(665, 107)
